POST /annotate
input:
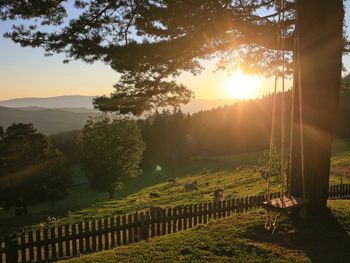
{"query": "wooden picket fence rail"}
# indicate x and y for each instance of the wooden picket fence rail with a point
(59, 242)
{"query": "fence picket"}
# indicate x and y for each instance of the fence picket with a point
(179, 218)
(99, 234)
(118, 230)
(105, 233)
(112, 222)
(205, 213)
(93, 235)
(46, 244)
(124, 229)
(67, 235)
(174, 219)
(186, 216)
(169, 215)
(195, 213)
(31, 245)
(74, 240)
(23, 247)
(136, 228)
(38, 245)
(87, 237)
(130, 228)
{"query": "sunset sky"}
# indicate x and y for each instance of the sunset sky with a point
(25, 72)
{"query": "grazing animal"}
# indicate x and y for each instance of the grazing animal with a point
(218, 194)
(191, 186)
(154, 195)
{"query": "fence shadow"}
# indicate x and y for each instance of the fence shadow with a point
(321, 239)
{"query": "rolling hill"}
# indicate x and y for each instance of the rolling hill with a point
(48, 121)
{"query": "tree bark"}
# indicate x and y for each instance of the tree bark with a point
(320, 31)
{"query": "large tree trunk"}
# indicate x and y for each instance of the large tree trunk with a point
(320, 25)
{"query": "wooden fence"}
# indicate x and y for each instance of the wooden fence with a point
(59, 242)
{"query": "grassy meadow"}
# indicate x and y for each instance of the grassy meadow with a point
(210, 173)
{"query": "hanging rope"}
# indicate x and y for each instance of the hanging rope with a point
(301, 120)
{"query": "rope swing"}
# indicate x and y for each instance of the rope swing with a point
(286, 203)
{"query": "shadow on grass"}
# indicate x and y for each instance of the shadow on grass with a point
(321, 239)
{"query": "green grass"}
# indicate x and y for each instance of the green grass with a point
(242, 238)
(211, 173)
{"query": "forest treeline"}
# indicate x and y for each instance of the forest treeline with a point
(171, 137)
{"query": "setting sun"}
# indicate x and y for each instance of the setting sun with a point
(241, 86)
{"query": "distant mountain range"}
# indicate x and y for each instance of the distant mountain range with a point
(78, 103)
(63, 113)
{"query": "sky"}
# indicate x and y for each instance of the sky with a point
(26, 72)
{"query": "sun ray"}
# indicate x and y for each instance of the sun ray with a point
(241, 86)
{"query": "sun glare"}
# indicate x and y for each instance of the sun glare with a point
(241, 86)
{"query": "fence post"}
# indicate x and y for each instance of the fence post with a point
(12, 249)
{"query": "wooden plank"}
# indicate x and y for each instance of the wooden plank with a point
(190, 216)
(205, 213)
(224, 208)
(118, 231)
(179, 220)
(99, 234)
(46, 244)
(287, 203)
(215, 209)
(130, 239)
(124, 229)
(67, 238)
(112, 222)
(87, 237)
(200, 214)
(136, 223)
(81, 239)
(31, 245)
(142, 232)
(169, 216)
(93, 235)
(105, 233)
(195, 213)
(186, 216)
(158, 222)
(219, 208)
(59, 241)
(147, 224)
(174, 219)
(153, 220)
(23, 247)
(210, 210)
(74, 240)
(38, 245)
(164, 221)
(53, 243)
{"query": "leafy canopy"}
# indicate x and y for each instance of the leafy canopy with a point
(151, 42)
(110, 151)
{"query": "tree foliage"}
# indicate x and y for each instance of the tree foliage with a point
(111, 151)
(31, 169)
(151, 42)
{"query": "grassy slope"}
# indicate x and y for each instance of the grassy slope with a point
(242, 238)
(84, 204)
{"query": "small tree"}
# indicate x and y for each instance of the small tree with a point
(111, 151)
(27, 164)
